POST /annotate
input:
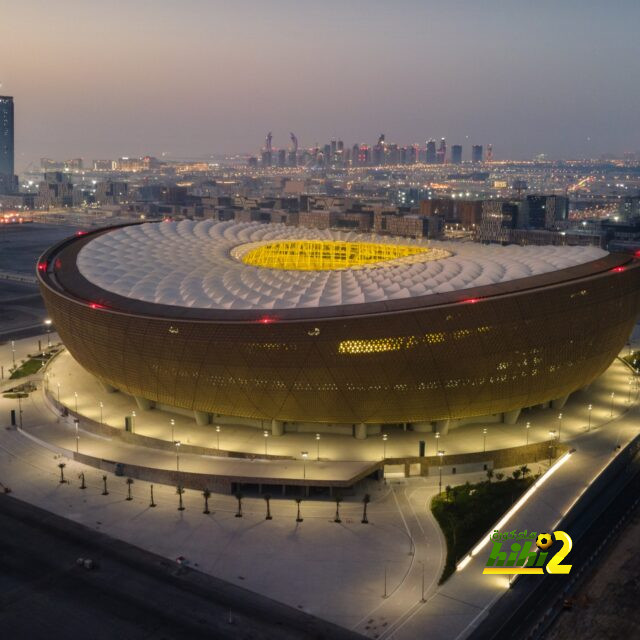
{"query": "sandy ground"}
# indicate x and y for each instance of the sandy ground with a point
(606, 607)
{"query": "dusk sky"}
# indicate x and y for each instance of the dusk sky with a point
(101, 79)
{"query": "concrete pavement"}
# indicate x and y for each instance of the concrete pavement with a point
(337, 571)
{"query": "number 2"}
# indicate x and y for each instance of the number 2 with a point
(554, 565)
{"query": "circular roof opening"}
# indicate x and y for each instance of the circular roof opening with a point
(331, 255)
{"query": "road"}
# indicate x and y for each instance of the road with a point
(427, 547)
(533, 601)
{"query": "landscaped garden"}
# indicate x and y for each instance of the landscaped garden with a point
(467, 512)
(27, 368)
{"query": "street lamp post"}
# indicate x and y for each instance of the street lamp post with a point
(177, 443)
(172, 422)
(440, 455)
(484, 440)
(218, 434)
(47, 322)
(77, 424)
(613, 393)
(265, 433)
(133, 422)
(552, 433)
(559, 426)
(385, 437)
(527, 427)
(305, 455)
(318, 443)
(589, 408)
(75, 395)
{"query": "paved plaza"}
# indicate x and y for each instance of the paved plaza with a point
(336, 571)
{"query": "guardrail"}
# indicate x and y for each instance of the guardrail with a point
(17, 277)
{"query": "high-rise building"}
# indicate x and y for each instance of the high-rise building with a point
(326, 153)
(441, 156)
(629, 207)
(8, 179)
(392, 155)
(456, 154)
(431, 152)
(55, 190)
(267, 157)
(542, 212)
(476, 153)
(355, 155)
(282, 157)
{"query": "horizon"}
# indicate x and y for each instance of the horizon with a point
(197, 78)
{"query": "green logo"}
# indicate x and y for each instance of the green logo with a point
(527, 553)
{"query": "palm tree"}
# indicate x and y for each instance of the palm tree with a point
(239, 497)
(499, 476)
(180, 491)
(104, 485)
(338, 500)
(524, 470)
(206, 494)
(267, 499)
(365, 501)
(61, 466)
(516, 474)
(82, 482)
(298, 518)
(152, 503)
(489, 474)
(129, 483)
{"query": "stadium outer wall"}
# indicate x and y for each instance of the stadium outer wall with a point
(475, 352)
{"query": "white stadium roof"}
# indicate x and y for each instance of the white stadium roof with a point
(196, 264)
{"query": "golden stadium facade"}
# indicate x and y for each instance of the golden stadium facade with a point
(293, 325)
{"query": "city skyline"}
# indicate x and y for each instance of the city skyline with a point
(197, 78)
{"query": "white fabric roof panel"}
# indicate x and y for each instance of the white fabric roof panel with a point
(189, 264)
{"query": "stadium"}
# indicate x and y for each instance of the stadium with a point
(310, 330)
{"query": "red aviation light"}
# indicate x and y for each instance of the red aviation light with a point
(618, 269)
(81, 233)
(266, 320)
(637, 254)
(471, 300)
(42, 266)
(96, 305)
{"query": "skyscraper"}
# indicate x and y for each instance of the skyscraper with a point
(456, 154)
(431, 152)
(8, 181)
(476, 153)
(441, 156)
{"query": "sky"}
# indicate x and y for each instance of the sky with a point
(189, 78)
